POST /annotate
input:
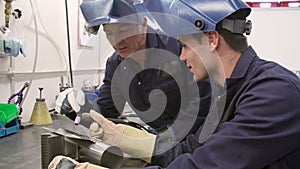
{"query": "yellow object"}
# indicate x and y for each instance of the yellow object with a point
(40, 114)
(93, 166)
(138, 143)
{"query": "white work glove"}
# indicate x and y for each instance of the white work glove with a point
(138, 143)
(69, 100)
(61, 162)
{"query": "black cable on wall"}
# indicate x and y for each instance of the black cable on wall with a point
(69, 47)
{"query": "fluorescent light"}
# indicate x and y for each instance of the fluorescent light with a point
(294, 4)
(265, 4)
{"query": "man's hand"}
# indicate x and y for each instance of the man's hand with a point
(109, 132)
(69, 100)
(138, 143)
(62, 162)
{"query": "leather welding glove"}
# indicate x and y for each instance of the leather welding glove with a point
(138, 143)
(62, 162)
(69, 100)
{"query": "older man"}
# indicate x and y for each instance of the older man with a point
(145, 69)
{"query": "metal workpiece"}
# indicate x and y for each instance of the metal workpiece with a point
(72, 139)
(35, 147)
(101, 154)
(97, 152)
(67, 138)
(51, 145)
(67, 127)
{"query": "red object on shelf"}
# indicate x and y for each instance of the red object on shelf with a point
(290, 4)
(264, 4)
(249, 3)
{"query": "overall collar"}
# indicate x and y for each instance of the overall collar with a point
(243, 64)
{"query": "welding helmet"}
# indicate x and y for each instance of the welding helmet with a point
(98, 12)
(195, 16)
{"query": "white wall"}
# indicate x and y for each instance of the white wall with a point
(52, 59)
(275, 36)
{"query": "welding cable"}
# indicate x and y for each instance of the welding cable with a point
(131, 123)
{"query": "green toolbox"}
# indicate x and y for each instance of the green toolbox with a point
(8, 119)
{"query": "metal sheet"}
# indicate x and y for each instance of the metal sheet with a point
(66, 127)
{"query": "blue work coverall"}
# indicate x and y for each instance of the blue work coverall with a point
(148, 79)
(260, 128)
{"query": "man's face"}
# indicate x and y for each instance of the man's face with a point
(125, 38)
(193, 57)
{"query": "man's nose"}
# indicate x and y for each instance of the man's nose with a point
(183, 55)
(114, 39)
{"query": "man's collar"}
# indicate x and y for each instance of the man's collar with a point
(243, 63)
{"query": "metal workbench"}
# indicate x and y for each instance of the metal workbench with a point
(22, 150)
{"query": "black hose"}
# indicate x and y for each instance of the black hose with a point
(69, 48)
(130, 123)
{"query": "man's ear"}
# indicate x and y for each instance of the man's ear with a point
(145, 21)
(144, 25)
(213, 39)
